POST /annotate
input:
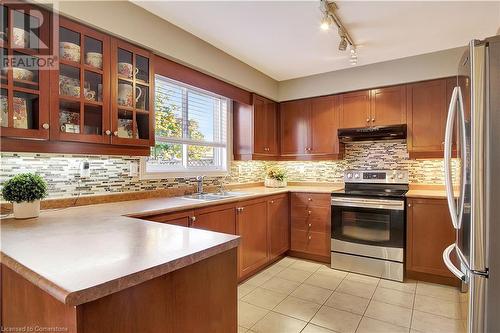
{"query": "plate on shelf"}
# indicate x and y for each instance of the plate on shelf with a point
(125, 129)
(4, 111)
(20, 113)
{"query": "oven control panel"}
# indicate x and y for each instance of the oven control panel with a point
(376, 176)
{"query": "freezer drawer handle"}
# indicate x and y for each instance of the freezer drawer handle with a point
(447, 261)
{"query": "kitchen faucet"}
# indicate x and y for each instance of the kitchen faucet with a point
(199, 186)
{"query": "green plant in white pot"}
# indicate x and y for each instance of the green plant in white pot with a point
(25, 191)
(275, 177)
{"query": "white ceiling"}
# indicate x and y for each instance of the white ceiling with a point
(283, 40)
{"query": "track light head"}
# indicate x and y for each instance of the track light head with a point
(343, 43)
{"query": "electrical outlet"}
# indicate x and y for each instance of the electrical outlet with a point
(85, 169)
(133, 170)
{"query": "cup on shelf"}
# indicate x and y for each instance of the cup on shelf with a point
(126, 69)
(125, 94)
(20, 113)
(69, 51)
(69, 86)
(4, 111)
(20, 38)
(93, 59)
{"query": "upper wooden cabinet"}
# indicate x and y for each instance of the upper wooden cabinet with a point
(388, 106)
(255, 129)
(24, 93)
(309, 128)
(132, 91)
(80, 109)
(355, 109)
(375, 107)
(427, 109)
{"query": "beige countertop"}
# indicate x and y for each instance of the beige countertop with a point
(80, 254)
(428, 194)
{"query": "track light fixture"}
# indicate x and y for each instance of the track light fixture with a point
(330, 17)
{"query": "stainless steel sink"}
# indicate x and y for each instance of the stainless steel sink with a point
(213, 196)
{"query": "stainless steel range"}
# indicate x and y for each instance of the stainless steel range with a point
(368, 223)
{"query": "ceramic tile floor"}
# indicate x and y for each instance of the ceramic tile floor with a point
(295, 296)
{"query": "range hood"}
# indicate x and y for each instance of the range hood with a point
(376, 133)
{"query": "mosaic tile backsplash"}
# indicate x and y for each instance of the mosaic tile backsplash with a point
(110, 174)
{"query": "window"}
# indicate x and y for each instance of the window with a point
(190, 130)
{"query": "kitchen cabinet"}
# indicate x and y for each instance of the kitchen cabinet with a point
(355, 109)
(182, 219)
(427, 109)
(311, 225)
(375, 107)
(309, 129)
(132, 91)
(388, 106)
(220, 218)
(429, 232)
(278, 223)
(255, 129)
(80, 109)
(24, 91)
(251, 225)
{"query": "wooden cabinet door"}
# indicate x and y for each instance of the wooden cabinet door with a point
(388, 106)
(295, 127)
(252, 227)
(265, 126)
(259, 125)
(429, 232)
(278, 225)
(426, 115)
(324, 123)
(218, 218)
(355, 109)
(179, 218)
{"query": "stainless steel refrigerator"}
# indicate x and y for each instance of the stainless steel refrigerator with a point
(473, 126)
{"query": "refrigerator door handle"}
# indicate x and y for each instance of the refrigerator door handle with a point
(447, 261)
(447, 158)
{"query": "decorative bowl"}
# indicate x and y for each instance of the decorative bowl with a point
(93, 59)
(69, 51)
(20, 38)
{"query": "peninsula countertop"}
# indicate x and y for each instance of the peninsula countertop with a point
(81, 254)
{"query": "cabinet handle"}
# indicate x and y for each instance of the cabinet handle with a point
(442, 143)
(309, 237)
(309, 212)
(239, 209)
(192, 220)
(115, 133)
(309, 225)
(108, 132)
(373, 120)
(309, 199)
(272, 201)
(367, 120)
(409, 205)
(45, 126)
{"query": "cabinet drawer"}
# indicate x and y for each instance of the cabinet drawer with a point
(310, 242)
(310, 225)
(310, 212)
(316, 199)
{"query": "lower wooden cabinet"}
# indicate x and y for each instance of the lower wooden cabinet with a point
(310, 225)
(429, 232)
(278, 224)
(221, 218)
(178, 218)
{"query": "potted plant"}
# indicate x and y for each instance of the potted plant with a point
(25, 191)
(275, 177)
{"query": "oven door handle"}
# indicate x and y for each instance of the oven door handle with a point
(369, 203)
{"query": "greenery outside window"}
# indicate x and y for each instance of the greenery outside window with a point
(190, 132)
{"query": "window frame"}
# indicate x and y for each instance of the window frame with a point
(221, 171)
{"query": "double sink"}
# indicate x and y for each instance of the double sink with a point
(213, 196)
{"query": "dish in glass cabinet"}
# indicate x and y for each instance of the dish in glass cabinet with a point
(20, 38)
(4, 111)
(69, 51)
(19, 73)
(93, 59)
(69, 86)
(125, 129)
(20, 113)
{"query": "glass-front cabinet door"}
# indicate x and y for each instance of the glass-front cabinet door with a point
(24, 90)
(81, 86)
(131, 95)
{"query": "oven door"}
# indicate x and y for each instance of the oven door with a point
(368, 227)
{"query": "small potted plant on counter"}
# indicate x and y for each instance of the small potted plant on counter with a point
(275, 177)
(25, 191)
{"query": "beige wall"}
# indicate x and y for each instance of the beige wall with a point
(416, 68)
(126, 20)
